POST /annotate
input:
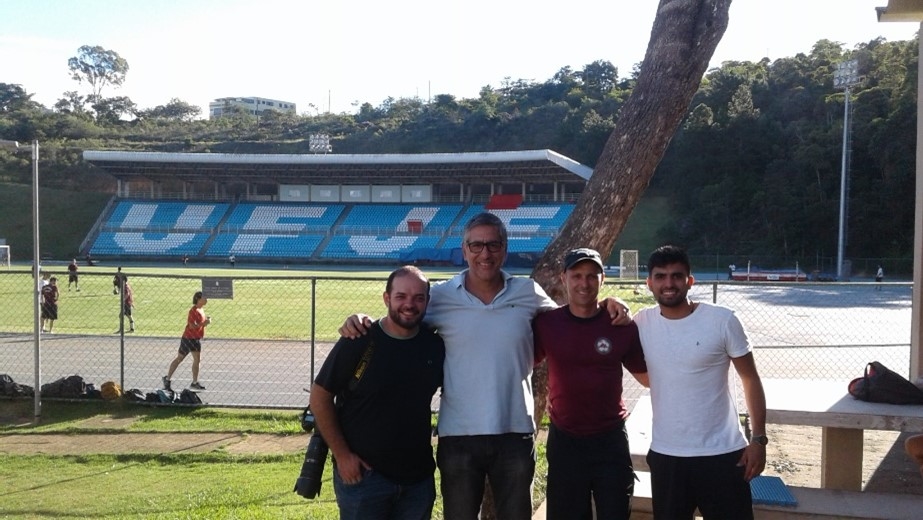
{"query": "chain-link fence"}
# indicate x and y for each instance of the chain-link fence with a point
(267, 341)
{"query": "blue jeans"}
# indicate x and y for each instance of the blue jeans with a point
(376, 497)
(506, 460)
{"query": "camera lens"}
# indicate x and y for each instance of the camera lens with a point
(312, 470)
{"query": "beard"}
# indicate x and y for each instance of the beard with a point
(672, 301)
(407, 322)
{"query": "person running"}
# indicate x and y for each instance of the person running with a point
(50, 304)
(191, 342)
(72, 275)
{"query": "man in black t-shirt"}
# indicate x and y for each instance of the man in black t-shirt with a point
(372, 402)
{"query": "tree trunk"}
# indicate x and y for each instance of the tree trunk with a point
(683, 40)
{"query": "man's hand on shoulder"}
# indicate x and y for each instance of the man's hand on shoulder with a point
(618, 310)
(356, 325)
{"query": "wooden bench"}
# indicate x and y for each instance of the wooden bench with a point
(843, 420)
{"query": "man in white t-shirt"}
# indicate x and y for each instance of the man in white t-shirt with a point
(699, 455)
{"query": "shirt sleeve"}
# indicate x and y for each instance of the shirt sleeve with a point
(737, 341)
(340, 365)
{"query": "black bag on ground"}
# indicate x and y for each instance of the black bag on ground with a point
(882, 385)
(53, 389)
(10, 388)
(187, 396)
(135, 394)
(74, 386)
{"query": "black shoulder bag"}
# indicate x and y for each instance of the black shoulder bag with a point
(880, 384)
(309, 480)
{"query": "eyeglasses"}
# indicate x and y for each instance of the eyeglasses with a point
(494, 246)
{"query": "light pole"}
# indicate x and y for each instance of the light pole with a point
(845, 76)
(36, 277)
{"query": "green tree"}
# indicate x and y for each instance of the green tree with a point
(175, 110)
(111, 110)
(14, 97)
(98, 67)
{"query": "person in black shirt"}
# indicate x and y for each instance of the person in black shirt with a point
(372, 403)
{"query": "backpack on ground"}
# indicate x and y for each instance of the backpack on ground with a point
(152, 397)
(110, 390)
(74, 386)
(53, 389)
(91, 392)
(10, 388)
(187, 396)
(166, 396)
(134, 394)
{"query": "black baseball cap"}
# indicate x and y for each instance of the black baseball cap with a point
(575, 256)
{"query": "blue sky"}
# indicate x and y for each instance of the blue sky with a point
(336, 53)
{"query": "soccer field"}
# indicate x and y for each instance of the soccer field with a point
(266, 304)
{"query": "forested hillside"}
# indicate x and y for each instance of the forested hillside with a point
(755, 169)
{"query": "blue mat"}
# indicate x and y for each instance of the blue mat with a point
(771, 491)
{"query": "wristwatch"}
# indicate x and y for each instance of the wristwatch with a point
(762, 440)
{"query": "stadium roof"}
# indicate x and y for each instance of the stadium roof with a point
(478, 167)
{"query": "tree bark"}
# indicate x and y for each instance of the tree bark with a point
(683, 39)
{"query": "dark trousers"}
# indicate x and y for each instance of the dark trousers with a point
(594, 468)
(506, 460)
(715, 485)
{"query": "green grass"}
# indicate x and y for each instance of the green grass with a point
(266, 304)
(154, 486)
(203, 486)
(65, 217)
(642, 231)
(272, 307)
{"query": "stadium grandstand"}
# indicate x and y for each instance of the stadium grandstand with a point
(330, 208)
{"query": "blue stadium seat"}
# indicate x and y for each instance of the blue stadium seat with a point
(375, 246)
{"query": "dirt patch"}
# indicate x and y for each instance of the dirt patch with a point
(115, 443)
(794, 455)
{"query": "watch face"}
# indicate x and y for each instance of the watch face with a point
(761, 439)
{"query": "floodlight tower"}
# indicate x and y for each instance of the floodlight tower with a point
(319, 143)
(845, 76)
(36, 276)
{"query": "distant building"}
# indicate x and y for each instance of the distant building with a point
(252, 105)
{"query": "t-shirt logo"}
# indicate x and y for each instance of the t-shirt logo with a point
(603, 345)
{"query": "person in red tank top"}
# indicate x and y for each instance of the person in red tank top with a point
(191, 342)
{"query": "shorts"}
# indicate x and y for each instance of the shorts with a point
(127, 309)
(187, 345)
(50, 311)
(72, 278)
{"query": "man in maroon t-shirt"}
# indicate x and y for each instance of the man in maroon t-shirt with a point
(587, 451)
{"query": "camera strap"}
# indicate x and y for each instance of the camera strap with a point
(362, 365)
